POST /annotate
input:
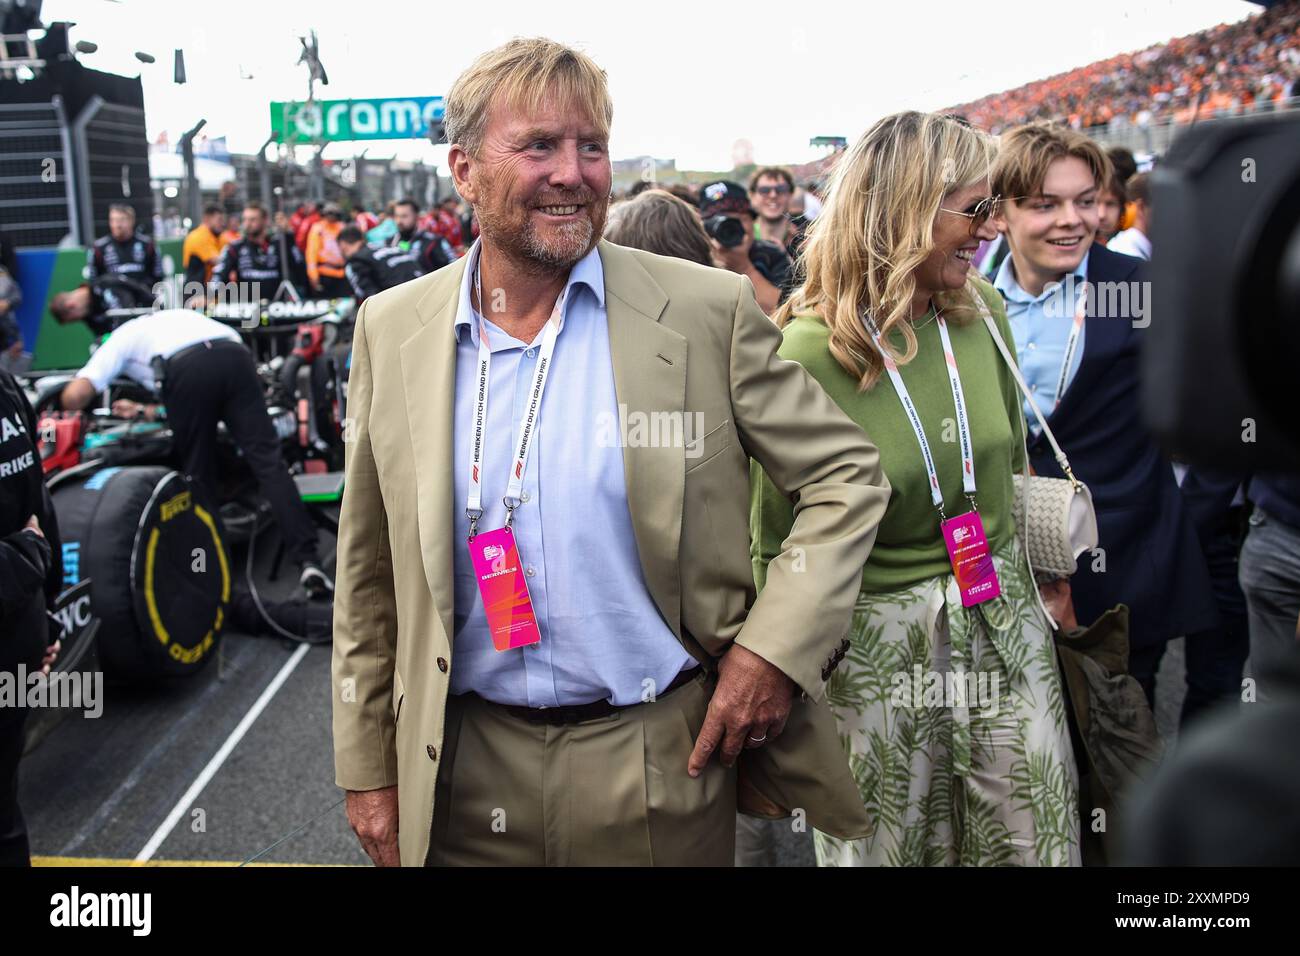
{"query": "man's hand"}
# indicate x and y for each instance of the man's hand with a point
(749, 706)
(34, 525)
(735, 259)
(125, 408)
(51, 655)
(1060, 603)
(373, 816)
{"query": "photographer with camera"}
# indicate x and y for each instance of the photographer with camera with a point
(729, 221)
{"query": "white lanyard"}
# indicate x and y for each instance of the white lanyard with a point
(1072, 343)
(914, 419)
(527, 427)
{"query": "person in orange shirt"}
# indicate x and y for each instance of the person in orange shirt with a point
(203, 245)
(325, 263)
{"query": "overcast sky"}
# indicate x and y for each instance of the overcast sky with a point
(688, 81)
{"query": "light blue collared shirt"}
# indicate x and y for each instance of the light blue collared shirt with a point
(1041, 325)
(602, 635)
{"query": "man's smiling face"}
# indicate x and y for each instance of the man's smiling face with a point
(541, 183)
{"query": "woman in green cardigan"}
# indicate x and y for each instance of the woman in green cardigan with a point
(949, 702)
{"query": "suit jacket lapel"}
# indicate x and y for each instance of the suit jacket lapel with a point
(428, 361)
(649, 363)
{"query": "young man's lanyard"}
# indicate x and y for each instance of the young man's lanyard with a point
(527, 427)
(914, 418)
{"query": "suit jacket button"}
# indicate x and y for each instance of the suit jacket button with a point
(442, 664)
(432, 751)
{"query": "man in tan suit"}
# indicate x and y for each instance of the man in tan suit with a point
(621, 479)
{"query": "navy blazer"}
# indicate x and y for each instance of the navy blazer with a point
(1152, 558)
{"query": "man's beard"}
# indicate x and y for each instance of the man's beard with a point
(549, 255)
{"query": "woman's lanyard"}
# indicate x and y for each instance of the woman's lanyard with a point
(527, 426)
(914, 418)
(963, 536)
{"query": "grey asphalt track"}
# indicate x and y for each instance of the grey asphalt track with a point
(100, 789)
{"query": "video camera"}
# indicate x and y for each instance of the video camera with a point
(1219, 365)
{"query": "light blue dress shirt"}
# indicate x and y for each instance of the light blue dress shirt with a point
(1041, 325)
(602, 635)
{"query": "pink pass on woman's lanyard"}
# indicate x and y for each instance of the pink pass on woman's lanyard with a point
(501, 584)
(972, 562)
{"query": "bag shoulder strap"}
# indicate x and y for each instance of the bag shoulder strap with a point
(1014, 369)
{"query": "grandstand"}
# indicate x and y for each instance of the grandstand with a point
(1232, 69)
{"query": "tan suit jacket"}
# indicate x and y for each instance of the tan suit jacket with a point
(683, 339)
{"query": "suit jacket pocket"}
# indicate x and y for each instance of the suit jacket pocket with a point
(705, 449)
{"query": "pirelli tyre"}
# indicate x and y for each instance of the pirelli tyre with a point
(159, 567)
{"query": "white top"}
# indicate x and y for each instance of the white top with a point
(1130, 242)
(130, 349)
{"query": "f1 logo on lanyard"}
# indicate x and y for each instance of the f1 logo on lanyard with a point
(494, 554)
(963, 536)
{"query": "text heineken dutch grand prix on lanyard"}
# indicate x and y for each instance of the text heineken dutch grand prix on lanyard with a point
(964, 537)
(495, 554)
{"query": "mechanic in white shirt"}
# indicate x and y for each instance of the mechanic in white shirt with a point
(209, 377)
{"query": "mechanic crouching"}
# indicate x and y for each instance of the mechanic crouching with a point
(208, 377)
(31, 573)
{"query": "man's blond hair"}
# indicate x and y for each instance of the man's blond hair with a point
(1026, 152)
(523, 73)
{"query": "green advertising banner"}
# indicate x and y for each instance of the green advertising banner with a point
(323, 121)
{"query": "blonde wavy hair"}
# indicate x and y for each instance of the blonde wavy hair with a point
(877, 226)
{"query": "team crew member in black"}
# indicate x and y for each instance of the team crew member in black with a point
(255, 261)
(31, 575)
(374, 270)
(431, 252)
(124, 252)
(293, 258)
(208, 377)
(91, 301)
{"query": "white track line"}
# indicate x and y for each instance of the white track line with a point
(219, 758)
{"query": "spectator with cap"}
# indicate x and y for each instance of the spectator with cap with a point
(723, 206)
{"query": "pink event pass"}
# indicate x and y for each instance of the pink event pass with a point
(501, 583)
(972, 563)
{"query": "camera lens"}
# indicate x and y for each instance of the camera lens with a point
(727, 230)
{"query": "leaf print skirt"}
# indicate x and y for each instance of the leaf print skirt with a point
(954, 722)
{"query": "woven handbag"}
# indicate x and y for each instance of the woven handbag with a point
(1059, 520)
